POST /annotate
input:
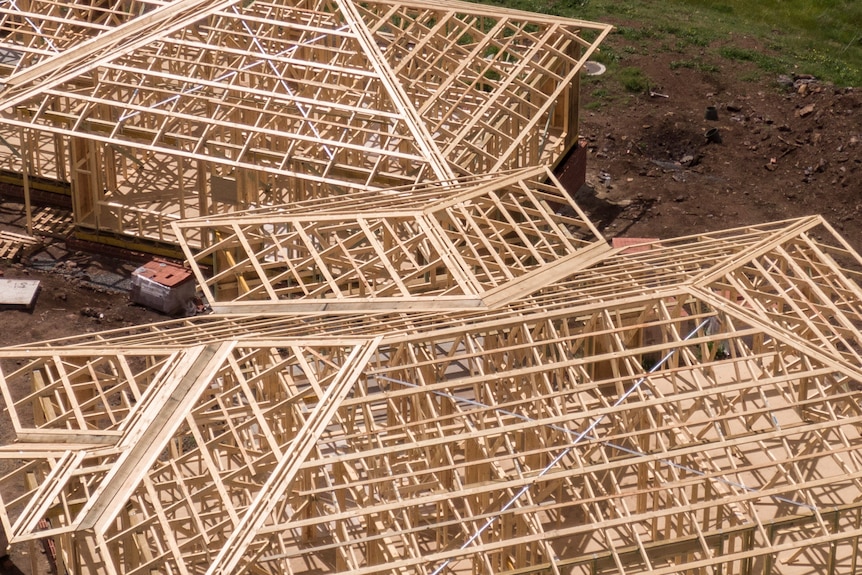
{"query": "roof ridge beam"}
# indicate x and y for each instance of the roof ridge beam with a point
(424, 140)
(160, 414)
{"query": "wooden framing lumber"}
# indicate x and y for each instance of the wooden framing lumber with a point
(427, 359)
(471, 244)
(619, 277)
(156, 111)
(501, 425)
(692, 406)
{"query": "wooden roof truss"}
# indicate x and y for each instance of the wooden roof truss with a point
(437, 365)
(156, 111)
(475, 243)
(691, 406)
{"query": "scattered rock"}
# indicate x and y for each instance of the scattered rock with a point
(805, 111)
(90, 312)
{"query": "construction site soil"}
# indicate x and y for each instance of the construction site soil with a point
(789, 147)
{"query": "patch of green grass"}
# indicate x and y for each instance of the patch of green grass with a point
(818, 37)
(633, 79)
(599, 96)
(620, 8)
(492, 50)
(695, 64)
(492, 75)
(753, 76)
(465, 39)
(607, 55)
(834, 67)
(635, 34)
(835, 21)
(761, 60)
(688, 36)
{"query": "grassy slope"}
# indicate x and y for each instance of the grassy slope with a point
(818, 37)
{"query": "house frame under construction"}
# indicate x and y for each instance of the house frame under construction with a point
(684, 405)
(147, 112)
(425, 358)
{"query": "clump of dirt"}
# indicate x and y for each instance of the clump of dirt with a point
(669, 140)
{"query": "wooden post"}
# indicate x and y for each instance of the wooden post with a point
(25, 173)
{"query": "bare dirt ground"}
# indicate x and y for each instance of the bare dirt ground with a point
(786, 151)
(80, 293)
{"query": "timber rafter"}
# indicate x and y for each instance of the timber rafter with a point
(469, 244)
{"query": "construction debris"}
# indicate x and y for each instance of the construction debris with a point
(18, 293)
(14, 246)
(162, 286)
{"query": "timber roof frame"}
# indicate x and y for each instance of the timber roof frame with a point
(687, 404)
(709, 411)
(622, 276)
(329, 92)
(475, 242)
